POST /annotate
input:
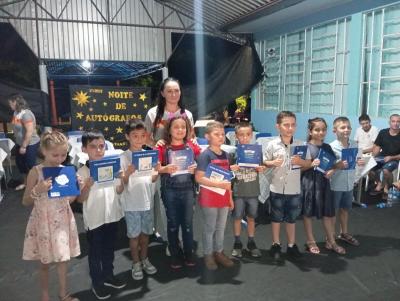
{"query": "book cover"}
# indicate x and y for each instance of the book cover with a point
(105, 170)
(214, 172)
(326, 159)
(64, 181)
(249, 155)
(182, 159)
(301, 151)
(350, 155)
(144, 162)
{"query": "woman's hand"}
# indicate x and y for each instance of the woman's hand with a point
(22, 150)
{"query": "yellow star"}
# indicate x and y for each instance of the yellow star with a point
(81, 98)
(134, 104)
(119, 130)
(94, 100)
(104, 104)
(81, 128)
(79, 115)
(145, 106)
(106, 129)
(142, 97)
(112, 138)
(90, 109)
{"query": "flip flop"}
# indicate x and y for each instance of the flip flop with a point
(346, 237)
(312, 247)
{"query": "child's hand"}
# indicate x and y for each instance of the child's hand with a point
(296, 160)
(342, 164)
(225, 185)
(315, 163)
(43, 186)
(234, 167)
(360, 162)
(171, 168)
(158, 166)
(88, 183)
(192, 168)
(231, 203)
(81, 182)
(329, 173)
(261, 168)
(130, 170)
(277, 162)
(160, 142)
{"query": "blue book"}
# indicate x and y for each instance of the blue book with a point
(301, 151)
(249, 155)
(350, 155)
(182, 158)
(216, 173)
(326, 159)
(105, 170)
(144, 162)
(64, 181)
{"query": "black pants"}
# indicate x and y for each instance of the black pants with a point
(101, 252)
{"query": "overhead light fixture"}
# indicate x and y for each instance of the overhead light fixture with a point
(86, 64)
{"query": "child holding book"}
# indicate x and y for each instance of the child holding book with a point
(246, 189)
(215, 207)
(317, 196)
(285, 184)
(101, 213)
(137, 201)
(342, 181)
(51, 234)
(177, 190)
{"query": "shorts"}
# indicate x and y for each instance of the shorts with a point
(285, 207)
(343, 199)
(139, 222)
(391, 165)
(245, 206)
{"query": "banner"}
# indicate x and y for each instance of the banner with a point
(107, 109)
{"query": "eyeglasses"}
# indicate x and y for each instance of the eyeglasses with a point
(97, 147)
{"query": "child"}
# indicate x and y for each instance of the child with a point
(137, 201)
(177, 191)
(342, 181)
(317, 196)
(285, 184)
(214, 206)
(51, 234)
(246, 189)
(101, 213)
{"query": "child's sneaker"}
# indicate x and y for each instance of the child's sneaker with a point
(190, 260)
(101, 292)
(223, 260)
(293, 252)
(210, 263)
(176, 263)
(237, 250)
(137, 272)
(275, 252)
(114, 282)
(254, 251)
(148, 267)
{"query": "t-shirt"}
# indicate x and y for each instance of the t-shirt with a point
(208, 198)
(138, 194)
(247, 182)
(19, 119)
(102, 206)
(151, 116)
(366, 139)
(390, 145)
(162, 150)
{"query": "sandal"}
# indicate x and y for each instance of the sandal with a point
(312, 247)
(68, 297)
(335, 248)
(346, 237)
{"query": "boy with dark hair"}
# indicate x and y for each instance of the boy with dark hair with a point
(101, 213)
(137, 201)
(246, 189)
(366, 134)
(285, 183)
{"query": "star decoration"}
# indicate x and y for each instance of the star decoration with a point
(134, 104)
(106, 129)
(79, 115)
(104, 104)
(142, 97)
(81, 128)
(112, 138)
(145, 106)
(119, 130)
(91, 109)
(94, 100)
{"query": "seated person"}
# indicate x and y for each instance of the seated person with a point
(386, 151)
(366, 134)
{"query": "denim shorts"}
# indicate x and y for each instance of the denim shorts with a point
(245, 206)
(391, 165)
(285, 207)
(343, 199)
(139, 222)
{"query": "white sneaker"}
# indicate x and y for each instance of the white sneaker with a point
(137, 273)
(167, 252)
(148, 267)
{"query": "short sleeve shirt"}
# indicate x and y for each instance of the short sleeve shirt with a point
(159, 133)
(18, 121)
(390, 145)
(366, 139)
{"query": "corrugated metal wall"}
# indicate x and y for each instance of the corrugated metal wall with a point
(120, 30)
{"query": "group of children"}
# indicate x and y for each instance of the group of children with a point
(52, 236)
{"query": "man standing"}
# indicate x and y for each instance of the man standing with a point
(366, 134)
(386, 149)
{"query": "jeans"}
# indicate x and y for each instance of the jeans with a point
(179, 209)
(214, 229)
(101, 252)
(26, 161)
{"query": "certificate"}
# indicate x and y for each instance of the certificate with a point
(216, 173)
(64, 181)
(249, 155)
(144, 162)
(105, 170)
(301, 151)
(182, 159)
(350, 155)
(326, 161)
